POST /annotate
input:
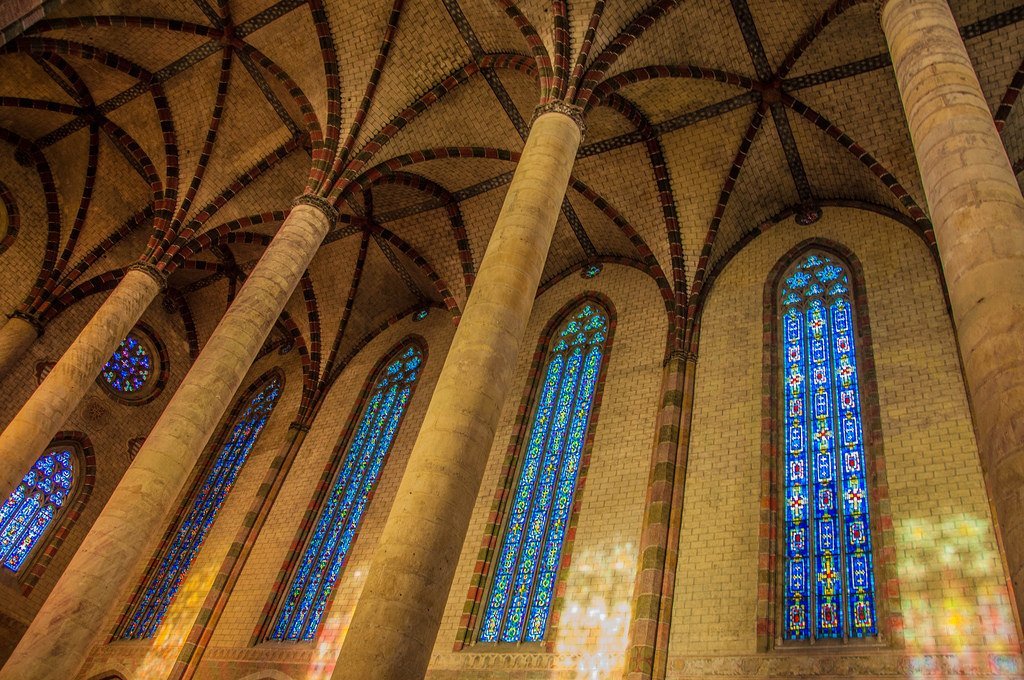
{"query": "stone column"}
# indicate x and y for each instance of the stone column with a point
(978, 213)
(46, 411)
(56, 643)
(396, 620)
(655, 582)
(16, 336)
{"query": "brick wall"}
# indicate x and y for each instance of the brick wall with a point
(953, 600)
(953, 596)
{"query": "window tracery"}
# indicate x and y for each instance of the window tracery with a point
(336, 528)
(31, 508)
(828, 573)
(518, 604)
(162, 583)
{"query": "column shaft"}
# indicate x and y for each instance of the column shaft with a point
(675, 522)
(978, 213)
(16, 336)
(398, 614)
(656, 575)
(45, 412)
(57, 641)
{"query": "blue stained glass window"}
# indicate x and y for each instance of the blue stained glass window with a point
(130, 366)
(311, 586)
(31, 508)
(199, 513)
(829, 582)
(523, 583)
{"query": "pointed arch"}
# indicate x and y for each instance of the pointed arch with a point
(170, 565)
(38, 515)
(331, 526)
(829, 567)
(512, 598)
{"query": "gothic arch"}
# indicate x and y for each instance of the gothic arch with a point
(42, 554)
(769, 582)
(483, 578)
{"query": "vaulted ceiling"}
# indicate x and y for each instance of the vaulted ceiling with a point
(707, 122)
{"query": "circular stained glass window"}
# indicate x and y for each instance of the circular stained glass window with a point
(421, 315)
(130, 368)
(133, 372)
(590, 271)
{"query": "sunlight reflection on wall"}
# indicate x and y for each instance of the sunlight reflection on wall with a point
(336, 623)
(174, 629)
(954, 596)
(594, 622)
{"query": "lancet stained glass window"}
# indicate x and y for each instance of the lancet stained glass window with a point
(32, 507)
(199, 514)
(828, 582)
(523, 585)
(313, 581)
(131, 365)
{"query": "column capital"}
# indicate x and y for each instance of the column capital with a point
(321, 204)
(681, 355)
(151, 270)
(30, 319)
(558, 106)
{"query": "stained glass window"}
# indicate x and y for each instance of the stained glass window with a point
(523, 584)
(199, 514)
(131, 366)
(828, 582)
(31, 508)
(311, 586)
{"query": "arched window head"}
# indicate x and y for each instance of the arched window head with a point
(328, 547)
(161, 584)
(828, 577)
(137, 369)
(30, 510)
(523, 582)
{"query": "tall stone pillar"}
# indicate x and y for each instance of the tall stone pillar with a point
(46, 411)
(57, 641)
(16, 336)
(396, 620)
(978, 213)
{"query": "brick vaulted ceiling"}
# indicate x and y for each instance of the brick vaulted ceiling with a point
(708, 122)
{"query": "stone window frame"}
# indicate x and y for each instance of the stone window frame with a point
(299, 544)
(196, 479)
(769, 578)
(157, 379)
(483, 577)
(42, 553)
